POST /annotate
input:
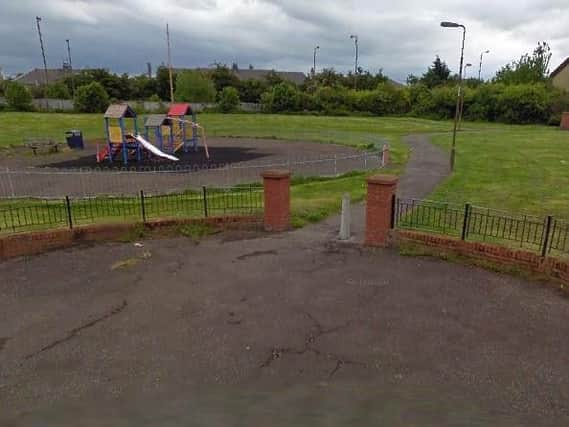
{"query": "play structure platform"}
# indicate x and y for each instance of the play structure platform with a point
(164, 135)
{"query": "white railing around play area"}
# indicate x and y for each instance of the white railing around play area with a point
(47, 182)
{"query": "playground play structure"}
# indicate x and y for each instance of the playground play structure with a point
(164, 134)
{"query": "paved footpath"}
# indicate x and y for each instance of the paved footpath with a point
(286, 329)
(428, 166)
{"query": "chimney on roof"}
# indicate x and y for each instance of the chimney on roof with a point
(234, 66)
(149, 70)
(251, 66)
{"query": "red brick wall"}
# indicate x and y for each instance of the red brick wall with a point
(549, 266)
(565, 121)
(277, 199)
(380, 191)
(42, 241)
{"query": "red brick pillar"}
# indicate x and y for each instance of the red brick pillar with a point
(277, 199)
(380, 192)
(565, 121)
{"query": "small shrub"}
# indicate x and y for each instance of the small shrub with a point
(228, 100)
(282, 97)
(58, 91)
(91, 98)
(193, 86)
(18, 97)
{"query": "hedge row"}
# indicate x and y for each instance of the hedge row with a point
(523, 104)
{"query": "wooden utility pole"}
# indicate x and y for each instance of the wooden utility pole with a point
(170, 65)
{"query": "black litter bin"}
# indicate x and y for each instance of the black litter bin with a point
(74, 139)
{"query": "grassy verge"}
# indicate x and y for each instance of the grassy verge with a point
(352, 131)
(514, 168)
(29, 214)
(312, 200)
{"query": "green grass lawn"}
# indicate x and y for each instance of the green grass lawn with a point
(352, 131)
(312, 200)
(514, 168)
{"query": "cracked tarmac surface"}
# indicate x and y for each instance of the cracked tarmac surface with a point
(284, 329)
(280, 329)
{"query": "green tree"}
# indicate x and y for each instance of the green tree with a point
(251, 90)
(437, 74)
(163, 82)
(142, 87)
(273, 79)
(91, 98)
(280, 98)
(18, 97)
(193, 86)
(222, 77)
(228, 100)
(58, 90)
(531, 68)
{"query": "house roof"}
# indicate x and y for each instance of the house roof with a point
(560, 68)
(295, 77)
(156, 120)
(119, 111)
(37, 76)
(182, 109)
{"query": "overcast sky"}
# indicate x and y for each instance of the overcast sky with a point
(400, 36)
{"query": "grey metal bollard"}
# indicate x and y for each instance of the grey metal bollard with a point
(345, 219)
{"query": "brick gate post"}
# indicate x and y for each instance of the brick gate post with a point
(380, 192)
(565, 121)
(276, 185)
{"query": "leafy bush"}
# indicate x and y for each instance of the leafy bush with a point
(281, 98)
(526, 103)
(334, 101)
(18, 97)
(251, 90)
(228, 100)
(385, 99)
(58, 90)
(484, 104)
(193, 86)
(91, 98)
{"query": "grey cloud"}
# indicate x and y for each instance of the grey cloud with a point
(400, 37)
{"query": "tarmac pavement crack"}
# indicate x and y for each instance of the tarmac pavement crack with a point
(256, 254)
(310, 346)
(3, 341)
(73, 333)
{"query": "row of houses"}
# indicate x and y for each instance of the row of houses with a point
(559, 76)
(37, 76)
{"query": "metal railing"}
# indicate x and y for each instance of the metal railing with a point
(470, 222)
(91, 182)
(30, 215)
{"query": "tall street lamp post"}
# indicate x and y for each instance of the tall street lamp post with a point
(355, 38)
(480, 66)
(46, 79)
(70, 69)
(446, 24)
(461, 111)
(314, 67)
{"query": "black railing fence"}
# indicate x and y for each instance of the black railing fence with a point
(33, 214)
(470, 222)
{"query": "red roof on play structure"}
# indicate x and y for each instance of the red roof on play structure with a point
(180, 110)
